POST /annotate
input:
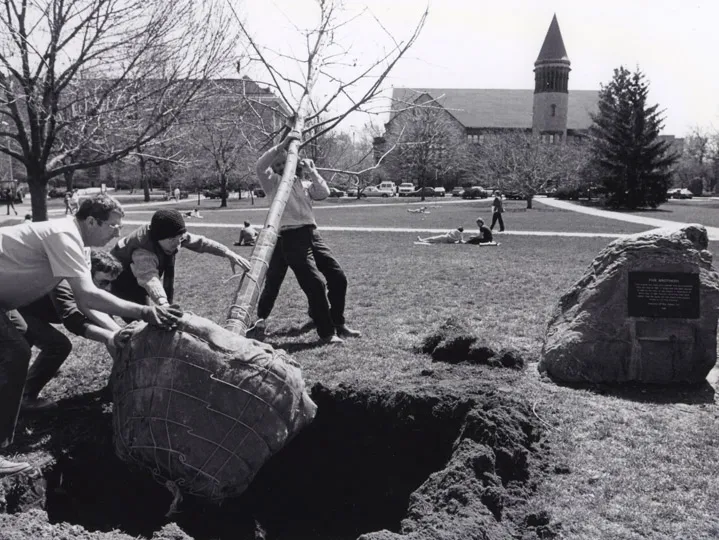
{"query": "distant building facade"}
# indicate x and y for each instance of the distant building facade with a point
(550, 111)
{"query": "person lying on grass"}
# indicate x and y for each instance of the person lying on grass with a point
(148, 258)
(484, 236)
(452, 237)
(59, 306)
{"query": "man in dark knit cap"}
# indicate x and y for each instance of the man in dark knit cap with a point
(148, 257)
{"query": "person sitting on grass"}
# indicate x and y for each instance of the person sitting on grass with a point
(484, 236)
(148, 258)
(248, 235)
(452, 237)
(57, 307)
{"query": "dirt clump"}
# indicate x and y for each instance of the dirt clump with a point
(453, 342)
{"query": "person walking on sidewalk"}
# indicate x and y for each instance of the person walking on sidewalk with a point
(301, 248)
(9, 201)
(497, 211)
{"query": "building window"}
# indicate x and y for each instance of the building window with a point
(554, 110)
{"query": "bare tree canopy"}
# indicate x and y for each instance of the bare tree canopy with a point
(325, 62)
(86, 82)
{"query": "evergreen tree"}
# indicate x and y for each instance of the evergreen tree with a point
(634, 165)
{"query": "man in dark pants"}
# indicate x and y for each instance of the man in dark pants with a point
(300, 247)
(59, 307)
(497, 210)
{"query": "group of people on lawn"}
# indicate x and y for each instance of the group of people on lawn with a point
(52, 272)
(484, 234)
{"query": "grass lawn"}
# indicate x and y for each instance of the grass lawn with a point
(618, 464)
(443, 215)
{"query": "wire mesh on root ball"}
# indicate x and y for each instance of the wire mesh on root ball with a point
(201, 407)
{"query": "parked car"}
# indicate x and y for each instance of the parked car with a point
(405, 188)
(680, 193)
(475, 192)
(375, 191)
(334, 192)
(56, 193)
(259, 192)
(428, 191)
(211, 193)
(457, 192)
(440, 192)
(352, 192)
(514, 195)
(388, 187)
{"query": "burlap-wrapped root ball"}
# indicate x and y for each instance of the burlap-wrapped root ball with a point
(201, 407)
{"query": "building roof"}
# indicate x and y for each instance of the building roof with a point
(553, 47)
(498, 109)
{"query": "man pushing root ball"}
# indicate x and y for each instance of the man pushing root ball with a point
(34, 258)
(148, 258)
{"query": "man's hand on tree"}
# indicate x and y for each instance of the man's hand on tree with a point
(236, 260)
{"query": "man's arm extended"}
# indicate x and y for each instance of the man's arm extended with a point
(89, 297)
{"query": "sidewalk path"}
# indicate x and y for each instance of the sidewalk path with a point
(713, 232)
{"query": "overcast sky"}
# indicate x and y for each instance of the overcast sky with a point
(493, 44)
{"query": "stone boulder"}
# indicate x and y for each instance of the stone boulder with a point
(591, 336)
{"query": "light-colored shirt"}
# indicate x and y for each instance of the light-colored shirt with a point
(298, 211)
(454, 235)
(145, 264)
(36, 256)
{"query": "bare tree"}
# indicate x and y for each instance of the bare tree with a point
(431, 146)
(522, 162)
(326, 60)
(86, 82)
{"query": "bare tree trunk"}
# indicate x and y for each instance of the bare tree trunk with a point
(530, 198)
(250, 286)
(69, 177)
(223, 190)
(143, 179)
(38, 196)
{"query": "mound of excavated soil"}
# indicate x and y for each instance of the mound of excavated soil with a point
(375, 465)
(452, 342)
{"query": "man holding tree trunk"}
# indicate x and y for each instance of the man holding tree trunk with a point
(301, 248)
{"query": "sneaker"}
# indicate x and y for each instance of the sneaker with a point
(37, 405)
(331, 340)
(257, 330)
(8, 467)
(345, 331)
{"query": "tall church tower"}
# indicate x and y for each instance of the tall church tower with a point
(551, 94)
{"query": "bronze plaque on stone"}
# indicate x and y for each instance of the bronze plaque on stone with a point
(663, 294)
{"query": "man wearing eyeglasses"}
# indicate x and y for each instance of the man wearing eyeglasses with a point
(34, 258)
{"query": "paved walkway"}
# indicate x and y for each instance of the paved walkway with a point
(713, 232)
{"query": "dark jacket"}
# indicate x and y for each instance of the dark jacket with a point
(57, 307)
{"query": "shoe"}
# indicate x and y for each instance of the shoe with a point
(345, 331)
(8, 467)
(331, 340)
(37, 405)
(257, 330)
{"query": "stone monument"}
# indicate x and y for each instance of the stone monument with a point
(645, 310)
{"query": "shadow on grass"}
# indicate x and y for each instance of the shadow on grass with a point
(680, 393)
(75, 417)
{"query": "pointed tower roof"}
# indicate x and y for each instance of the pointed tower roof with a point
(553, 47)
